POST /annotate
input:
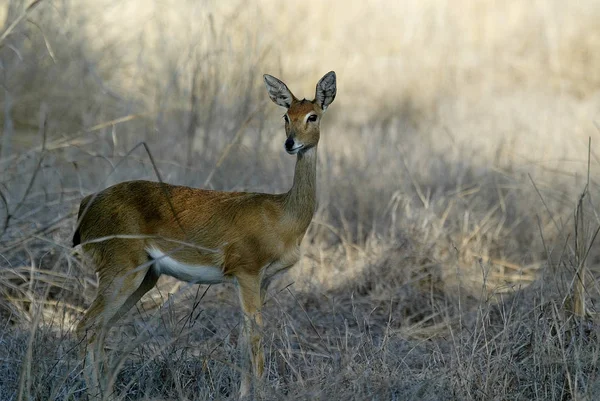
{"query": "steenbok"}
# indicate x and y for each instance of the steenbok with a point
(137, 230)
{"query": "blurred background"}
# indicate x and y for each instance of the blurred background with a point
(458, 189)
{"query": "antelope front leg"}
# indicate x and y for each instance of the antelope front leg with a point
(250, 299)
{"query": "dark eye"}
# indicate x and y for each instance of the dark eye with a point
(312, 118)
(286, 119)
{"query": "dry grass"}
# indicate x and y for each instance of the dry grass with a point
(454, 253)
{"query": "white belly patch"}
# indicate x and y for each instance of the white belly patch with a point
(165, 264)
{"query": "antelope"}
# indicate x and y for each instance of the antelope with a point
(136, 231)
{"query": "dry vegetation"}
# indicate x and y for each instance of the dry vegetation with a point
(454, 253)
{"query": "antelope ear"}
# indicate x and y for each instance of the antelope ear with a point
(278, 92)
(326, 90)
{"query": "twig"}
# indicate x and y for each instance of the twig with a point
(18, 20)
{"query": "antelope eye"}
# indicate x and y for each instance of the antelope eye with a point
(312, 118)
(286, 118)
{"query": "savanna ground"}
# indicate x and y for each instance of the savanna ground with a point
(453, 255)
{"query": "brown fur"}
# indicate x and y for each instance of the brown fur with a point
(241, 231)
(249, 236)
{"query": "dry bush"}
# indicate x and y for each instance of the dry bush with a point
(454, 251)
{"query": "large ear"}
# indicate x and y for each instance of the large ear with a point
(278, 92)
(326, 90)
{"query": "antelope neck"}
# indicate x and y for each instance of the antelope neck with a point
(301, 199)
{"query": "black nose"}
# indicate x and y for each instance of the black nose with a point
(289, 144)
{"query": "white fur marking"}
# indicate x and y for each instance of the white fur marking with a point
(308, 115)
(165, 264)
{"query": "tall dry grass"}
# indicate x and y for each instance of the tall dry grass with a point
(454, 251)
